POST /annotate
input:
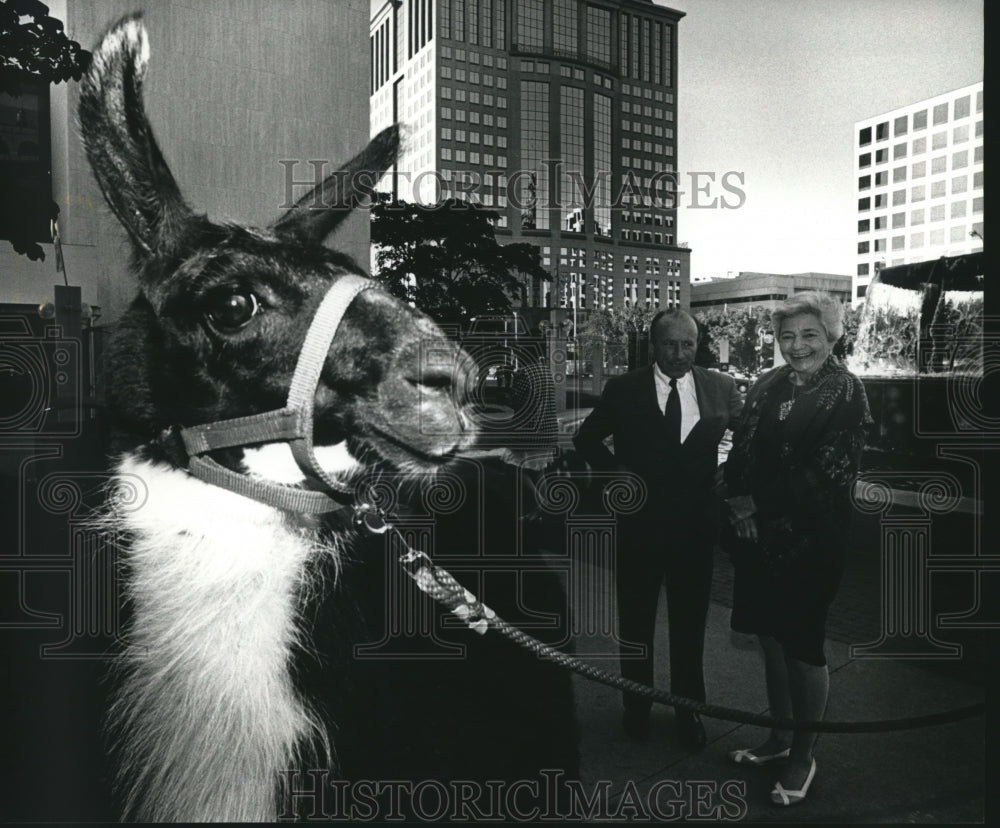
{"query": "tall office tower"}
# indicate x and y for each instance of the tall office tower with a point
(919, 178)
(559, 114)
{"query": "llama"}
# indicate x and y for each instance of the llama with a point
(237, 665)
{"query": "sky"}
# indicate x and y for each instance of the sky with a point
(772, 89)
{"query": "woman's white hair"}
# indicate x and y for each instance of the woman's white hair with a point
(822, 305)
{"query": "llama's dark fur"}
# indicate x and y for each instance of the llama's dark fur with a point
(240, 660)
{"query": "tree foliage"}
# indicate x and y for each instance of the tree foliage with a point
(742, 327)
(33, 43)
(617, 324)
(445, 259)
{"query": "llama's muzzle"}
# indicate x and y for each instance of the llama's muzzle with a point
(292, 424)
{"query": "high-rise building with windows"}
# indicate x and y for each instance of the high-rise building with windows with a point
(919, 179)
(559, 114)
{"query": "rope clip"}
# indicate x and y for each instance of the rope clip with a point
(371, 517)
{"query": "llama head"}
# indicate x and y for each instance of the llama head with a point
(223, 309)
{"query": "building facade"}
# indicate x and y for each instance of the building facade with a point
(766, 290)
(239, 128)
(918, 174)
(561, 115)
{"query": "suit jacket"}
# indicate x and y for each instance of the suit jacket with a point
(679, 478)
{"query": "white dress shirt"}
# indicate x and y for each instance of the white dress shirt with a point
(690, 413)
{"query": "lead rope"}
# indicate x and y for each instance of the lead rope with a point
(441, 585)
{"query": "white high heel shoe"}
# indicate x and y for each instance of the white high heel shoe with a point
(779, 796)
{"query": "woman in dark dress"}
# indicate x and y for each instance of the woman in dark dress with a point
(788, 480)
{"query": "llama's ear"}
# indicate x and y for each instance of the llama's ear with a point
(123, 153)
(317, 214)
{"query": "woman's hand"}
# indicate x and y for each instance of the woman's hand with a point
(746, 528)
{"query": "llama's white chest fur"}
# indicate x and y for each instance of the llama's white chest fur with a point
(208, 714)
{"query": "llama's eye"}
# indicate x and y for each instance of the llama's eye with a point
(230, 310)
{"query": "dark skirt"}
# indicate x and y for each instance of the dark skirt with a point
(786, 599)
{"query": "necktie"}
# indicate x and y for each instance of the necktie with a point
(672, 413)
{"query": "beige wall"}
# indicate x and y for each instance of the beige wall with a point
(233, 87)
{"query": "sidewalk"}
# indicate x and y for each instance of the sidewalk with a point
(926, 775)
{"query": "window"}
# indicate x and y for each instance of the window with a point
(865, 182)
(864, 204)
(865, 160)
(898, 220)
(898, 242)
(959, 184)
(939, 140)
(941, 114)
(599, 35)
(918, 193)
(936, 237)
(881, 156)
(960, 134)
(977, 180)
(977, 205)
(962, 107)
(863, 247)
(937, 189)
(916, 240)
(901, 125)
(898, 174)
(939, 164)
(898, 198)
(879, 223)
(937, 213)
(530, 25)
(899, 151)
(864, 226)
(881, 200)
(882, 131)
(958, 209)
(879, 245)
(919, 169)
(977, 155)
(862, 271)
(564, 27)
(881, 178)
(920, 120)
(865, 137)
(958, 233)
(960, 160)
(917, 217)
(919, 145)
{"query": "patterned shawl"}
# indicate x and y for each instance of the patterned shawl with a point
(820, 450)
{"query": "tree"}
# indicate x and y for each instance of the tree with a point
(34, 44)
(622, 330)
(445, 259)
(743, 328)
(33, 49)
(852, 318)
(617, 324)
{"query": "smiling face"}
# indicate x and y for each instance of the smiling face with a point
(804, 343)
(675, 343)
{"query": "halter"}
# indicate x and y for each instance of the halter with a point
(292, 424)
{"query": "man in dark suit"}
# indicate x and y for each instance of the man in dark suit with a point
(667, 420)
